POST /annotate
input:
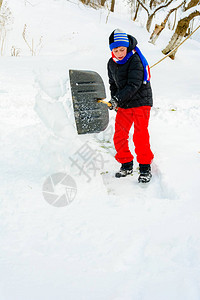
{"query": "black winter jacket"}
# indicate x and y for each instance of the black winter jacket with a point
(126, 81)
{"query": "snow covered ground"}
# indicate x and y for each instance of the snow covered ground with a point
(115, 240)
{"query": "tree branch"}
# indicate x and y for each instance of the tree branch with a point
(145, 8)
(192, 3)
(171, 11)
(162, 6)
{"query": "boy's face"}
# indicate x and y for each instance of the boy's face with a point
(120, 52)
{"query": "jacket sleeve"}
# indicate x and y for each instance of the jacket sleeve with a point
(113, 87)
(135, 79)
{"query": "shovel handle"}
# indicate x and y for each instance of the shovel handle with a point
(105, 102)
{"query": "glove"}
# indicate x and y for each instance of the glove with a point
(113, 103)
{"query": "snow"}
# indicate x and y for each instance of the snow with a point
(116, 240)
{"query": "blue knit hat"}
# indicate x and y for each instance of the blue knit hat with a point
(118, 38)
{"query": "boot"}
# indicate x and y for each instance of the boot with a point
(126, 169)
(145, 173)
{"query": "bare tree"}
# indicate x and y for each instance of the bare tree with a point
(112, 5)
(136, 11)
(103, 2)
(189, 13)
(159, 28)
(152, 8)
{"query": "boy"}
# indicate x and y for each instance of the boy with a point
(131, 97)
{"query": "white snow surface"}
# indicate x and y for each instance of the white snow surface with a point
(116, 240)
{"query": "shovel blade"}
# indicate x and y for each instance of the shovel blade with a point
(87, 88)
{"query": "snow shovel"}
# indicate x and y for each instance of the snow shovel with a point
(88, 91)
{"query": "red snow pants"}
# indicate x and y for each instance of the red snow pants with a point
(123, 122)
